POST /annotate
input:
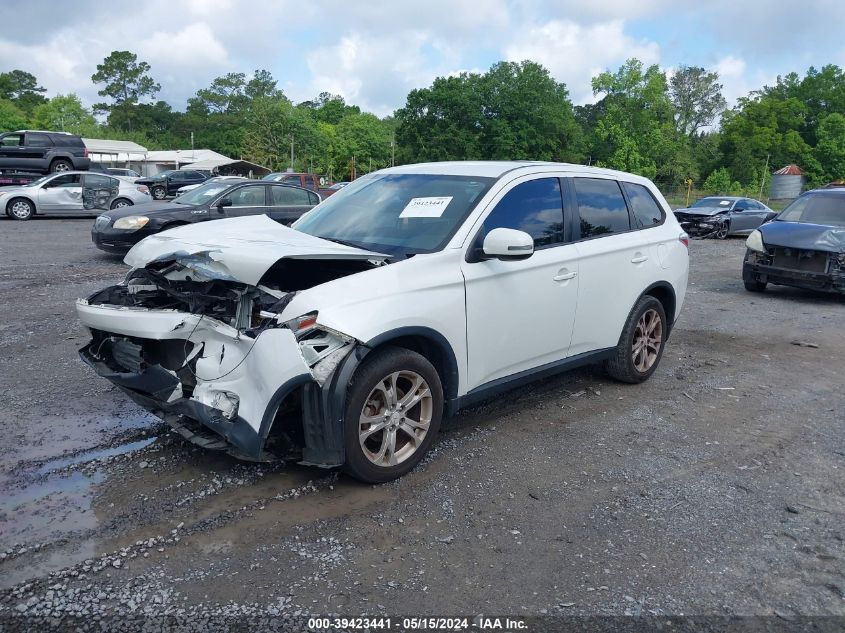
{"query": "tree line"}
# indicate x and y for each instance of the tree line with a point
(671, 127)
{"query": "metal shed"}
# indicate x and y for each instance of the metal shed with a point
(787, 183)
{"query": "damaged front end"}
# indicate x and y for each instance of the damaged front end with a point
(704, 226)
(213, 358)
(799, 267)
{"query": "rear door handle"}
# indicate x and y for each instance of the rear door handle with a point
(565, 276)
(639, 260)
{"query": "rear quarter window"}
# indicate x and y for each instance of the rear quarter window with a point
(601, 207)
(646, 210)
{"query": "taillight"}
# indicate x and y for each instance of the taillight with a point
(85, 152)
(143, 188)
(684, 239)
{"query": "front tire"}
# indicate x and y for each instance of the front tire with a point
(723, 231)
(393, 412)
(159, 193)
(641, 345)
(20, 209)
(754, 286)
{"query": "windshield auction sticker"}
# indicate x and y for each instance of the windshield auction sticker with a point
(426, 207)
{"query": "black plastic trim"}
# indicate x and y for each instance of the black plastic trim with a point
(501, 385)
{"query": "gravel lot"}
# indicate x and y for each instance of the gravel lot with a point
(714, 489)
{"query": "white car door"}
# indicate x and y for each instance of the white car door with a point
(520, 312)
(617, 263)
(61, 193)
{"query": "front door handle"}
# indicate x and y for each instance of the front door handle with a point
(639, 259)
(565, 276)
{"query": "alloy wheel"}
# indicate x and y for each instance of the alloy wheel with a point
(395, 418)
(21, 210)
(648, 337)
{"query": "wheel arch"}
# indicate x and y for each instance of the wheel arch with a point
(665, 294)
(429, 343)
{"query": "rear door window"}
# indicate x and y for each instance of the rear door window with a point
(646, 210)
(38, 140)
(534, 207)
(601, 207)
(288, 196)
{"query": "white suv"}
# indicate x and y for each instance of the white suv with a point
(409, 294)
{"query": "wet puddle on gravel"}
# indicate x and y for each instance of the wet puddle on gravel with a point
(45, 503)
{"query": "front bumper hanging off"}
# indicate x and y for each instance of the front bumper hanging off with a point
(199, 375)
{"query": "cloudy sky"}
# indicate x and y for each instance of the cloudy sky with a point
(374, 51)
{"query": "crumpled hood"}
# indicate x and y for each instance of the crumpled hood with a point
(238, 249)
(816, 237)
(702, 211)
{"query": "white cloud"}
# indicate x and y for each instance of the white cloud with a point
(737, 80)
(194, 45)
(375, 73)
(575, 53)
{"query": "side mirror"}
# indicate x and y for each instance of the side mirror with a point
(508, 244)
(225, 202)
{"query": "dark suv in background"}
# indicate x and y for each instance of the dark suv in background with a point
(166, 183)
(42, 152)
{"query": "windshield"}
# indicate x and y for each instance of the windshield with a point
(827, 209)
(203, 194)
(396, 213)
(39, 181)
(714, 202)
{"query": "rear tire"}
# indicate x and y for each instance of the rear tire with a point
(20, 209)
(394, 404)
(754, 285)
(120, 203)
(641, 344)
(60, 165)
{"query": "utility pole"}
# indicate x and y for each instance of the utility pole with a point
(393, 149)
(763, 178)
(192, 144)
(291, 152)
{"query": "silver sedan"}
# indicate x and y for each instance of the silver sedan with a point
(71, 193)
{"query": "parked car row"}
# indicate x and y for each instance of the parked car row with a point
(402, 298)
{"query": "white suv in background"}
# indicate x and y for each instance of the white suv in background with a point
(409, 294)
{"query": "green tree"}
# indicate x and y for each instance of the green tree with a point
(273, 124)
(514, 111)
(226, 94)
(830, 149)
(22, 89)
(718, 182)
(634, 121)
(127, 82)
(64, 113)
(697, 97)
(11, 116)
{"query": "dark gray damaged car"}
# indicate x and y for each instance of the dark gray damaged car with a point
(804, 246)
